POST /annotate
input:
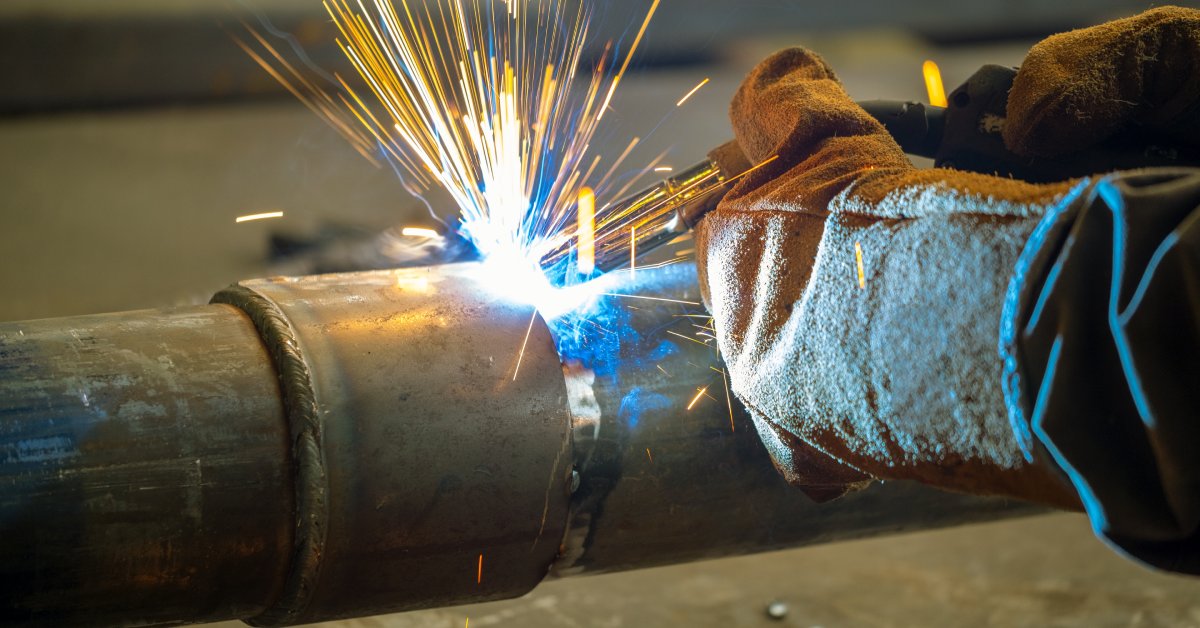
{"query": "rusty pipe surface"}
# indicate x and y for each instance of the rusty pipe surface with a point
(348, 445)
(308, 449)
(143, 475)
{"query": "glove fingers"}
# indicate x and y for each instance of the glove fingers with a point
(1078, 89)
(791, 103)
(789, 107)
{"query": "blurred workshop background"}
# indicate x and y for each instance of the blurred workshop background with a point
(133, 132)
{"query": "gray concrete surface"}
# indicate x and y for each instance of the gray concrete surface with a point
(120, 210)
(1042, 571)
(71, 54)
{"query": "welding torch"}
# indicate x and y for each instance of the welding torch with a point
(965, 135)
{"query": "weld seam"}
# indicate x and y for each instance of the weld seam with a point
(308, 457)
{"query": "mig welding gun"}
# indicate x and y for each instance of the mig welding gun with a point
(965, 135)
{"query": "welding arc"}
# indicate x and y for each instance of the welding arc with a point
(479, 99)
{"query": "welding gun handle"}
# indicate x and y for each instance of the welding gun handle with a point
(966, 135)
(915, 126)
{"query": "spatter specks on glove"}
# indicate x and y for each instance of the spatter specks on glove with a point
(895, 377)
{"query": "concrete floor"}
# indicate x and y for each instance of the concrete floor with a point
(125, 210)
(1041, 571)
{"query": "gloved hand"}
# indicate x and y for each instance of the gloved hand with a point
(857, 300)
(1078, 89)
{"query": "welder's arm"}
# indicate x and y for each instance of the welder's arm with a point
(1101, 344)
(858, 300)
(893, 376)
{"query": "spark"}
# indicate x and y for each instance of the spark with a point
(858, 258)
(728, 402)
(262, 216)
(664, 169)
(687, 338)
(632, 252)
(521, 355)
(494, 103)
(640, 296)
(695, 399)
(585, 233)
(625, 66)
(664, 371)
(689, 94)
(598, 326)
(728, 397)
(933, 83)
(620, 160)
(670, 262)
(479, 571)
(649, 456)
(419, 232)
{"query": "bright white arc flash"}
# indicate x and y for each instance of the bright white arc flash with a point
(517, 278)
(481, 99)
(487, 100)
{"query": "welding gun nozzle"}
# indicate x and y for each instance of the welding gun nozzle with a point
(665, 211)
(648, 219)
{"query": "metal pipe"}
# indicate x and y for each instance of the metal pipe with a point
(348, 445)
(151, 474)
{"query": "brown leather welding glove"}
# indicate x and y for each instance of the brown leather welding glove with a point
(863, 306)
(1100, 333)
(891, 373)
(857, 300)
(1137, 75)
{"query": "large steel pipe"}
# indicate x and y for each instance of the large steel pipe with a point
(309, 449)
(347, 445)
(143, 469)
